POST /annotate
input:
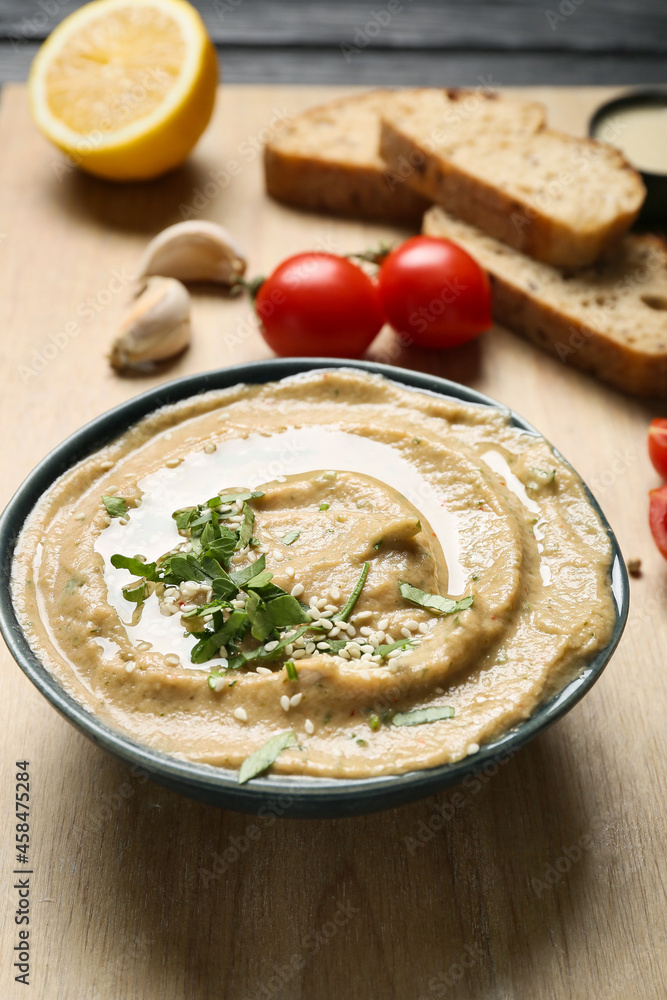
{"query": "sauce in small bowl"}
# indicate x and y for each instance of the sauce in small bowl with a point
(636, 123)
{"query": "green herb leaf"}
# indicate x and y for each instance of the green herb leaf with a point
(222, 548)
(223, 586)
(421, 715)
(243, 496)
(290, 667)
(116, 506)
(179, 567)
(242, 576)
(324, 506)
(261, 654)
(374, 723)
(210, 642)
(290, 537)
(343, 615)
(135, 566)
(433, 602)
(285, 610)
(256, 609)
(263, 758)
(136, 592)
(399, 644)
(248, 523)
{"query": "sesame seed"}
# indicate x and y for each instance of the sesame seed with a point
(344, 653)
(172, 660)
(331, 607)
(209, 448)
(298, 653)
(105, 466)
(367, 648)
(189, 588)
(363, 616)
(334, 594)
(355, 653)
(327, 614)
(321, 603)
(334, 632)
(365, 630)
(313, 613)
(188, 607)
(423, 628)
(376, 658)
(394, 653)
(412, 625)
(238, 603)
(393, 666)
(473, 748)
(406, 633)
(323, 645)
(217, 683)
(350, 629)
(366, 656)
(310, 648)
(263, 670)
(295, 699)
(277, 555)
(297, 590)
(123, 520)
(365, 675)
(289, 571)
(388, 638)
(373, 641)
(130, 666)
(313, 602)
(281, 479)
(167, 608)
(173, 463)
(325, 624)
(439, 691)
(289, 649)
(300, 642)
(383, 624)
(241, 714)
(309, 727)
(284, 703)
(380, 636)
(270, 646)
(143, 646)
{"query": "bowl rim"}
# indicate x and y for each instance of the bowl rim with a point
(630, 98)
(301, 795)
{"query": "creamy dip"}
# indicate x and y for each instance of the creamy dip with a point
(430, 575)
(640, 132)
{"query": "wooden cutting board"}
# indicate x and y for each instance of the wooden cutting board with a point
(545, 879)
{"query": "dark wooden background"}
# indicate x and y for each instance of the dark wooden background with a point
(498, 42)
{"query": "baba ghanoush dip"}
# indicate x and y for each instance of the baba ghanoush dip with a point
(331, 575)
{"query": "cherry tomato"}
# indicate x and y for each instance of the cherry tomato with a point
(657, 445)
(657, 517)
(434, 293)
(319, 304)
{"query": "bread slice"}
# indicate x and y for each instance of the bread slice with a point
(561, 200)
(327, 159)
(610, 319)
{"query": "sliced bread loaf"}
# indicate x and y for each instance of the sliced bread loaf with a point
(610, 319)
(561, 200)
(327, 159)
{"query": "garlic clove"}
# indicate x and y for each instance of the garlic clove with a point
(156, 328)
(196, 250)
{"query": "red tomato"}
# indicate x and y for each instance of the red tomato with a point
(434, 293)
(657, 445)
(657, 517)
(319, 304)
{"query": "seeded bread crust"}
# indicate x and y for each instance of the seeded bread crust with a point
(564, 201)
(609, 320)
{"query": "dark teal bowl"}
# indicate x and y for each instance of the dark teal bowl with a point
(296, 796)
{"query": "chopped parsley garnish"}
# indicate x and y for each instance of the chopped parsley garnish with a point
(290, 668)
(433, 602)
(324, 505)
(374, 723)
(343, 615)
(420, 715)
(263, 758)
(290, 537)
(399, 644)
(116, 506)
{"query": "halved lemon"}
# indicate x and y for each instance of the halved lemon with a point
(125, 87)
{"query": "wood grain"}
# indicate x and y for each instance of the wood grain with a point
(545, 879)
(596, 25)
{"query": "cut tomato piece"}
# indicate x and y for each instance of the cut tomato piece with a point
(657, 517)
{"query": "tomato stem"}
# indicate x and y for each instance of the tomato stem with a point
(372, 256)
(252, 287)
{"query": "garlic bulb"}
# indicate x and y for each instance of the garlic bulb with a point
(194, 251)
(156, 328)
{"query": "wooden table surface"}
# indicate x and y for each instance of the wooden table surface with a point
(544, 879)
